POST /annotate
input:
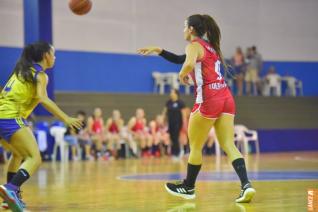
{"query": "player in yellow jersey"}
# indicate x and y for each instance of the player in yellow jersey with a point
(25, 89)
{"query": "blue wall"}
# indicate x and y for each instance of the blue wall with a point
(106, 72)
(8, 58)
(288, 140)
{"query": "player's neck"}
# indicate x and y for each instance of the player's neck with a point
(193, 37)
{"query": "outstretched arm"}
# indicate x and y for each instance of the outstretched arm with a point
(178, 59)
(41, 93)
(171, 57)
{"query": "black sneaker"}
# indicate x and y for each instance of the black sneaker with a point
(246, 194)
(179, 189)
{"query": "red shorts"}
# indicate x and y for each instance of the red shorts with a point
(213, 108)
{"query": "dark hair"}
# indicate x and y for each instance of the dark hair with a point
(205, 24)
(82, 113)
(176, 92)
(32, 53)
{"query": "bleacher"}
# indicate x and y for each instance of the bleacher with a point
(254, 112)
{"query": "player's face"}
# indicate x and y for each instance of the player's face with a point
(160, 119)
(116, 115)
(140, 113)
(173, 95)
(50, 58)
(186, 31)
(81, 117)
(98, 112)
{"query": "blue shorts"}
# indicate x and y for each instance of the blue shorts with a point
(71, 140)
(9, 126)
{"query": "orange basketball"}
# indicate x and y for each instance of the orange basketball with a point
(80, 7)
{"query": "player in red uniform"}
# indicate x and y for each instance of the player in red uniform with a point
(214, 105)
(137, 126)
(95, 125)
(158, 131)
(113, 128)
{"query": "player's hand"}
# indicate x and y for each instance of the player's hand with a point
(74, 123)
(149, 50)
(184, 79)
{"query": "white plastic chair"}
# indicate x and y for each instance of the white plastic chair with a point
(162, 79)
(42, 140)
(58, 133)
(172, 80)
(299, 86)
(243, 136)
(159, 82)
(291, 85)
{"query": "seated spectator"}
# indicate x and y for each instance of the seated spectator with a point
(238, 62)
(70, 137)
(138, 131)
(83, 136)
(158, 134)
(113, 128)
(272, 83)
(95, 126)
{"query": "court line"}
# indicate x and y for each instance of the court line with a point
(299, 158)
(226, 176)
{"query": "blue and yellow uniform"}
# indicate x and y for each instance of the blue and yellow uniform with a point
(17, 101)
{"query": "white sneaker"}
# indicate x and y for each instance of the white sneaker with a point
(247, 194)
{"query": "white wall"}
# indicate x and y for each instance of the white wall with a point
(282, 29)
(11, 23)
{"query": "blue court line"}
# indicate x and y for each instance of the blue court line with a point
(228, 176)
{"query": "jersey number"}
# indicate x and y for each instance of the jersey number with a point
(8, 87)
(217, 69)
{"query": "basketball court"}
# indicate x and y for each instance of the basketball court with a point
(281, 181)
(111, 56)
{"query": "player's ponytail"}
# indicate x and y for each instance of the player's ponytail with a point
(32, 53)
(205, 25)
(213, 34)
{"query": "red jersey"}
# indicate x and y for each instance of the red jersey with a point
(207, 77)
(113, 128)
(139, 126)
(160, 128)
(97, 126)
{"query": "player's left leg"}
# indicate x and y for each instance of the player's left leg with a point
(224, 128)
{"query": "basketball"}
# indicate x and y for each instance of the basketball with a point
(80, 7)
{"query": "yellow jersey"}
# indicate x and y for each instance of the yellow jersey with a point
(18, 98)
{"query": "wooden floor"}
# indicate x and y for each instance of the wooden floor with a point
(137, 185)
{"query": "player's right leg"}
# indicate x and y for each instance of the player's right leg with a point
(198, 131)
(13, 165)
